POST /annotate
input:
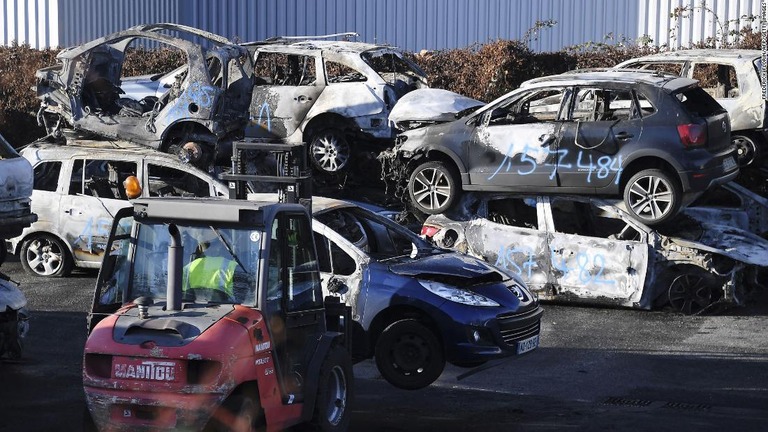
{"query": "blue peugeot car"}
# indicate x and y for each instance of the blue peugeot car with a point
(414, 306)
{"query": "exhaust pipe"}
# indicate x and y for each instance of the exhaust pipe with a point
(175, 258)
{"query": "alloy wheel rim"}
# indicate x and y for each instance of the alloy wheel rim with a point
(690, 294)
(44, 258)
(745, 150)
(337, 401)
(650, 197)
(330, 154)
(431, 188)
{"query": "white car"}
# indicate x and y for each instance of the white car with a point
(79, 187)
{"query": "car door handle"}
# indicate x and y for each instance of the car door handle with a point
(623, 136)
(303, 99)
(70, 211)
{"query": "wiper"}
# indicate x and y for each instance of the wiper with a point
(229, 249)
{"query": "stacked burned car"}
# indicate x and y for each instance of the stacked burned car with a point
(206, 100)
(656, 140)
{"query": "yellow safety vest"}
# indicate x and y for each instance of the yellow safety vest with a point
(210, 273)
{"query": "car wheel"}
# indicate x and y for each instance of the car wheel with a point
(691, 292)
(329, 151)
(433, 187)
(335, 392)
(652, 196)
(45, 255)
(408, 355)
(746, 149)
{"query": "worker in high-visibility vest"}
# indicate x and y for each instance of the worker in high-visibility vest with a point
(214, 270)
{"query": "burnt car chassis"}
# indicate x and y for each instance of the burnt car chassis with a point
(205, 106)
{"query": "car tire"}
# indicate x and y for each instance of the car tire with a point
(652, 196)
(691, 291)
(747, 150)
(408, 355)
(239, 413)
(335, 392)
(45, 255)
(433, 187)
(329, 151)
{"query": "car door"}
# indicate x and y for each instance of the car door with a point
(87, 208)
(601, 119)
(597, 256)
(511, 235)
(286, 87)
(514, 142)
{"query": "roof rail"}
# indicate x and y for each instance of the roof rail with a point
(286, 39)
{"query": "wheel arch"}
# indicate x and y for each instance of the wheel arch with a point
(16, 247)
(326, 121)
(650, 162)
(196, 128)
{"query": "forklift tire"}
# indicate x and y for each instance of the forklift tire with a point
(335, 392)
(409, 355)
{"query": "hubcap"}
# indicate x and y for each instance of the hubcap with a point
(44, 258)
(431, 188)
(410, 354)
(745, 150)
(650, 197)
(330, 153)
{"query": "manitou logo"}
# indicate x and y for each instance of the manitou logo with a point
(147, 370)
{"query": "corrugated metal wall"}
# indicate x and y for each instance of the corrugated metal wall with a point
(409, 24)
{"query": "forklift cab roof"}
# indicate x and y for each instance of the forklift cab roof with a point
(211, 210)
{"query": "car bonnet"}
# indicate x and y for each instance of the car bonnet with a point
(732, 242)
(429, 104)
(448, 265)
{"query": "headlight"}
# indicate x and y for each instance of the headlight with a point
(458, 295)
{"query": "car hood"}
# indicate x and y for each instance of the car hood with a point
(453, 268)
(429, 106)
(725, 240)
(15, 179)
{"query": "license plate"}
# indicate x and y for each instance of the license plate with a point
(529, 344)
(729, 163)
(143, 369)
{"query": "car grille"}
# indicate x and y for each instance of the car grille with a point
(519, 326)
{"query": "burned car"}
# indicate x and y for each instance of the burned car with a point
(588, 250)
(206, 104)
(657, 140)
(79, 187)
(15, 193)
(732, 204)
(333, 95)
(415, 306)
(732, 77)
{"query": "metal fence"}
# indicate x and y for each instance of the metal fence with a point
(408, 24)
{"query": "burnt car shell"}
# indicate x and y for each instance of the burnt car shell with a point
(208, 103)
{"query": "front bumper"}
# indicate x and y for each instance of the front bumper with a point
(495, 337)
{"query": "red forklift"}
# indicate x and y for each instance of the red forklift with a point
(208, 314)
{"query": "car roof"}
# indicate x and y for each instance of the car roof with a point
(216, 209)
(95, 147)
(701, 54)
(308, 46)
(630, 76)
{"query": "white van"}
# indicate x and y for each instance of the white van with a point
(79, 187)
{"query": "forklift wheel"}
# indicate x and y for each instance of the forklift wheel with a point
(335, 392)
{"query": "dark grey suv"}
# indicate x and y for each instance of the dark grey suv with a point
(655, 139)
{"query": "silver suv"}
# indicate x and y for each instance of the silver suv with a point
(328, 94)
(79, 187)
(732, 77)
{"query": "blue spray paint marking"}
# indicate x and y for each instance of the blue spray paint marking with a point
(264, 109)
(505, 259)
(93, 228)
(583, 260)
(198, 94)
(602, 169)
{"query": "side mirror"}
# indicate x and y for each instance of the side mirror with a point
(132, 187)
(337, 286)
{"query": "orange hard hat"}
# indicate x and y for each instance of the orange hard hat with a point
(132, 187)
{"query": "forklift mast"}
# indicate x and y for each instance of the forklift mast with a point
(292, 175)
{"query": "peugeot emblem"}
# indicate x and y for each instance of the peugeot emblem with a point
(725, 127)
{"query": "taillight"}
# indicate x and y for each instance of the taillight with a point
(429, 231)
(692, 135)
